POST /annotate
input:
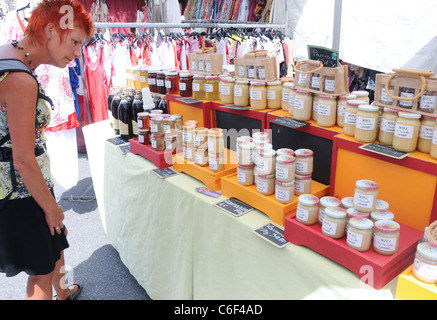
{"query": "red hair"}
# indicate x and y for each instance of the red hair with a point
(49, 11)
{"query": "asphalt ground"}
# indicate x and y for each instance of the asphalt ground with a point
(90, 260)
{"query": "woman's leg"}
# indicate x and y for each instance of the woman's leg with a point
(39, 287)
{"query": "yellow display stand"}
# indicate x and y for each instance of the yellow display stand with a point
(410, 288)
(199, 111)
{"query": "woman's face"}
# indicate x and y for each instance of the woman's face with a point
(62, 52)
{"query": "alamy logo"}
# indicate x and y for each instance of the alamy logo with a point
(67, 20)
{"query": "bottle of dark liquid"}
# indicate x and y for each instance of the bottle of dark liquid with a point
(156, 101)
(114, 110)
(137, 107)
(163, 105)
(125, 118)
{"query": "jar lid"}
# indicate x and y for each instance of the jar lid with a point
(327, 97)
(382, 205)
(171, 73)
(348, 96)
(227, 79)
(201, 129)
(243, 139)
(285, 151)
(390, 110)
(267, 176)
(361, 93)
(428, 250)
(156, 112)
(177, 116)
(185, 75)
(216, 155)
(199, 76)
(387, 226)
(274, 83)
(257, 83)
(267, 153)
(409, 115)
(366, 185)
(330, 202)
(211, 77)
(347, 202)
(301, 177)
(368, 107)
(288, 84)
(308, 200)
(143, 130)
(242, 81)
(157, 118)
(284, 184)
(355, 103)
(354, 213)
(157, 135)
(250, 167)
(142, 114)
(285, 159)
(382, 215)
(303, 153)
(303, 91)
(429, 117)
(335, 212)
(361, 223)
(170, 136)
(262, 144)
(260, 135)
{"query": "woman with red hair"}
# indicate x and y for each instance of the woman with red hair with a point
(32, 233)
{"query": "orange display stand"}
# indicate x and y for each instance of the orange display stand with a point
(211, 179)
(372, 268)
(275, 210)
(199, 111)
(410, 288)
(161, 159)
(408, 185)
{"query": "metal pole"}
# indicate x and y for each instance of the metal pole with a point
(337, 25)
(188, 25)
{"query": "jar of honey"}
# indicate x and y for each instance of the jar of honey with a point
(212, 88)
(258, 95)
(303, 105)
(172, 82)
(185, 85)
(199, 87)
(406, 131)
(227, 90)
(241, 93)
(160, 83)
(274, 95)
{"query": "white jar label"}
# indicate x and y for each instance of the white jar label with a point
(198, 158)
(251, 73)
(200, 65)
(299, 104)
(388, 125)
(207, 66)
(363, 200)
(262, 186)
(301, 166)
(426, 132)
(407, 104)
(143, 79)
(154, 144)
(167, 128)
(261, 73)
(323, 110)
(153, 127)
(285, 96)
(340, 111)
(365, 123)
(263, 165)
(226, 90)
(385, 97)
(434, 137)
(255, 94)
(281, 173)
(194, 65)
(425, 270)
(209, 87)
(315, 82)
(196, 87)
(238, 92)
(428, 102)
(168, 144)
(213, 164)
(354, 239)
(152, 81)
(292, 99)
(141, 138)
(282, 195)
(240, 71)
(403, 131)
(302, 79)
(140, 123)
(271, 94)
(182, 86)
(241, 177)
(168, 84)
(302, 214)
(329, 85)
(384, 244)
(299, 186)
(160, 83)
(350, 118)
(329, 227)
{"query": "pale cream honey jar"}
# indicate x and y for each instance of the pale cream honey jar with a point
(307, 209)
(366, 195)
(359, 234)
(326, 202)
(334, 222)
(386, 237)
(425, 262)
(406, 131)
(366, 124)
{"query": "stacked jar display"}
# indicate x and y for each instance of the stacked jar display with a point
(245, 160)
(216, 150)
(188, 130)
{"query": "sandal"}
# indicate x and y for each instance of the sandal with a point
(74, 296)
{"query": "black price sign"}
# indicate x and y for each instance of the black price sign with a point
(327, 56)
(189, 100)
(234, 207)
(164, 173)
(290, 123)
(272, 234)
(385, 150)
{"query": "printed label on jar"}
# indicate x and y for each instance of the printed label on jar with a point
(426, 132)
(238, 92)
(291, 100)
(255, 95)
(143, 79)
(168, 144)
(153, 127)
(152, 81)
(282, 195)
(299, 104)
(330, 85)
(354, 239)
(302, 79)
(428, 102)
(226, 90)
(140, 123)
(301, 166)
(315, 82)
(261, 72)
(321, 215)
(299, 186)
(160, 83)
(262, 186)
(182, 86)
(271, 95)
(340, 111)
(385, 97)
(250, 72)
(196, 87)
(365, 123)
(323, 110)
(141, 138)
(363, 200)
(194, 65)
(241, 177)
(403, 131)
(198, 158)
(388, 125)
(154, 143)
(240, 71)
(384, 244)
(281, 173)
(350, 118)
(434, 137)
(207, 66)
(168, 84)
(329, 227)
(209, 87)
(200, 65)
(406, 104)
(262, 164)
(425, 270)
(285, 96)
(302, 214)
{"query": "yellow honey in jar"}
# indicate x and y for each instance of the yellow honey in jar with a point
(359, 234)
(327, 111)
(241, 93)
(366, 124)
(274, 95)
(212, 88)
(350, 116)
(258, 95)
(426, 133)
(406, 131)
(303, 103)
(387, 127)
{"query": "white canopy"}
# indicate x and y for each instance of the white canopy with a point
(375, 34)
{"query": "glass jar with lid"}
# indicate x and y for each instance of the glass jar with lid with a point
(385, 98)
(216, 161)
(245, 150)
(329, 84)
(201, 156)
(143, 121)
(188, 134)
(406, 131)
(170, 141)
(354, 213)
(258, 95)
(274, 94)
(425, 262)
(426, 133)
(366, 195)
(291, 99)
(334, 222)
(347, 202)
(186, 85)
(362, 95)
(227, 90)
(285, 168)
(427, 101)
(169, 125)
(387, 127)
(327, 111)
(341, 107)
(433, 149)
(366, 124)
(199, 87)
(212, 88)
(303, 105)
(215, 140)
(382, 205)
(386, 237)
(315, 81)
(406, 93)
(284, 191)
(260, 146)
(316, 99)
(151, 79)
(157, 142)
(304, 161)
(172, 82)
(285, 151)
(241, 93)
(302, 184)
(286, 89)
(201, 137)
(266, 162)
(160, 82)
(326, 202)
(381, 214)
(350, 116)
(359, 234)
(265, 184)
(261, 135)
(307, 209)
(245, 174)
(144, 136)
(157, 125)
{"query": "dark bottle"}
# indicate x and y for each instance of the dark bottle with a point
(163, 105)
(125, 118)
(137, 107)
(114, 110)
(156, 101)
(109, 99)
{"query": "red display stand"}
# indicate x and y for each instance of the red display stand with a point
(161, 159)
(372, 268)
(199, 111)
